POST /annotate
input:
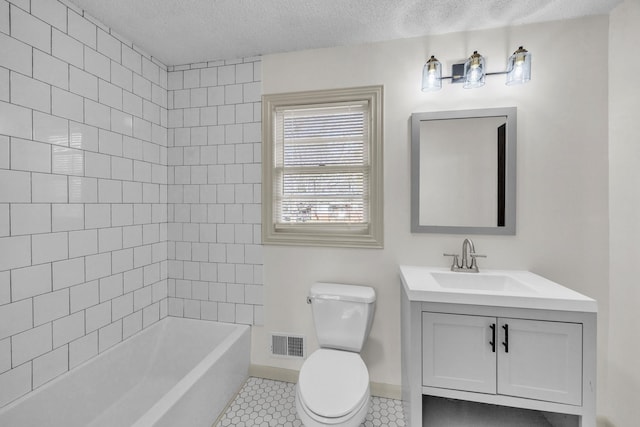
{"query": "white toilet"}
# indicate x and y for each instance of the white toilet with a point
(333, 386)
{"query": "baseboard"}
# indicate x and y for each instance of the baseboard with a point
(273, 373)
(389, 391)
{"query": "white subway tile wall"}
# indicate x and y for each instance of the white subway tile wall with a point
(129, 191)
(83, 191)
(214, 158)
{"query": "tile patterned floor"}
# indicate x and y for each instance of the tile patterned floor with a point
(267, 403)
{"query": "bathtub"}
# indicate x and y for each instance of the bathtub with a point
(178, 372)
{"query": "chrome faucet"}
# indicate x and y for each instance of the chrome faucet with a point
(468, 251)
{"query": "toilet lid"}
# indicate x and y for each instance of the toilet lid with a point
(333, 382)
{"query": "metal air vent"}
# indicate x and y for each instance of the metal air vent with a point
(283, 345)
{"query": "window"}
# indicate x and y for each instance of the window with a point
(322, 168)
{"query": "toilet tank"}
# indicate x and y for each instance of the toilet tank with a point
(342, 314)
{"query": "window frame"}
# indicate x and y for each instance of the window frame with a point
(309, 234)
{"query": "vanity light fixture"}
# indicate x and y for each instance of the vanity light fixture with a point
(473, 72)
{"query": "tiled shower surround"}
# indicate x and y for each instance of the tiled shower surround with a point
(127, 191)
(214, 157)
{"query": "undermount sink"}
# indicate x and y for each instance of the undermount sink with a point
(499, 288)
(480, 282)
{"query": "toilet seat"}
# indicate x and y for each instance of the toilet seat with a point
(311, 419)
(333, 384)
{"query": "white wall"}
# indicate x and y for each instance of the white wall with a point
(83, 252)
(562, 215)
(623, 379)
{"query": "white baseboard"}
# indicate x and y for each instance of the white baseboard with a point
(273, 373)
(389, 391)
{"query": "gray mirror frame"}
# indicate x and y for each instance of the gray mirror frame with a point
(510, 174)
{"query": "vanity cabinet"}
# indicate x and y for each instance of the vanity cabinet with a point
(525, 358)
(533, 350)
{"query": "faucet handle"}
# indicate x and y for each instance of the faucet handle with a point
(474, 264)
(454, 264)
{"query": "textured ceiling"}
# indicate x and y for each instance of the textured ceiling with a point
(187, 31)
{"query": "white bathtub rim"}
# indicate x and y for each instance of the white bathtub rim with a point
(166, 402)
(42, 388)
(158, 323)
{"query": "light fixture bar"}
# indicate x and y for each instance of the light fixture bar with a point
(472, 72)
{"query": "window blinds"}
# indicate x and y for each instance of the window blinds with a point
(322, 165)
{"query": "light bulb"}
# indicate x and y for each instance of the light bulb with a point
(432, 75)
(519, 67)
(474, 71)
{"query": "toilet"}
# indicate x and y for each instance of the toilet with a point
(333, 386)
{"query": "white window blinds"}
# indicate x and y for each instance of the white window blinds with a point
(322, 165)
(322, 168)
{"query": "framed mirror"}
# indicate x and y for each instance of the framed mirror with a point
(463, 171)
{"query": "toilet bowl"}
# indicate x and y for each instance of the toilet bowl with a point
(333, 386)
(333, 389)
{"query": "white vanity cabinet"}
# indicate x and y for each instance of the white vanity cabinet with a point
(534, 352)
(526, 358)
(456, 352)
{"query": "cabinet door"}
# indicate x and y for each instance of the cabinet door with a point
(456, 352)
(543, 360)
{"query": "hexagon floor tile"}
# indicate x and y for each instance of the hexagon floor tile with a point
(268, 403)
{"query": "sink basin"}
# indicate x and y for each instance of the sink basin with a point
(480, 282)
(498, 288)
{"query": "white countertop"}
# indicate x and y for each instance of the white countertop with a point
(504, 288)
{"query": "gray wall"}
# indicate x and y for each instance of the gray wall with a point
(623, 370)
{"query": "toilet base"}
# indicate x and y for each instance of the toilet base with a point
(350, 420)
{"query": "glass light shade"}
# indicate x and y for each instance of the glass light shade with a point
(519, 67)
(432, 75)
(474, 71)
